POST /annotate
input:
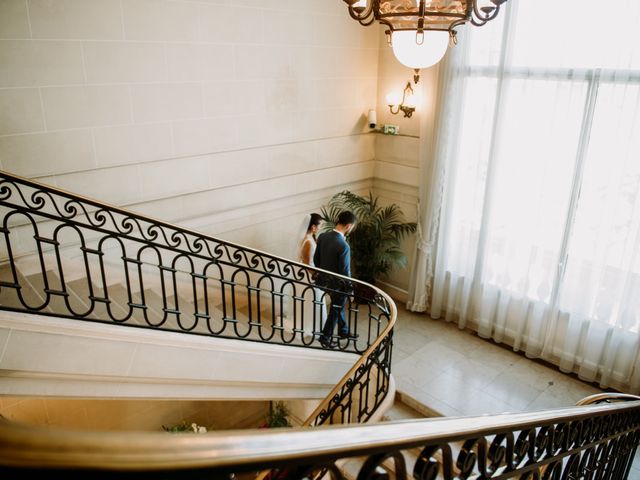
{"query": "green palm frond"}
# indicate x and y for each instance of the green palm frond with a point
(329, 215)
(375, 240)
(404, 229)
(360, 206)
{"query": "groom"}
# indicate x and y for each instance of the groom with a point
(334, 254)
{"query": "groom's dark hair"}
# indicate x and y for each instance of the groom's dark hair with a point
(346, 217)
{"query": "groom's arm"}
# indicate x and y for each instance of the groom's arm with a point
(345, 260)
(345, 264)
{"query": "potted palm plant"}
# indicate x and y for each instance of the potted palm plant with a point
(278, 416)
(375, 239)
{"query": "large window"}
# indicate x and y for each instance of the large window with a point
(540, 229)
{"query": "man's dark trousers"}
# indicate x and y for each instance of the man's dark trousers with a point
(333, 254)
(336, 314)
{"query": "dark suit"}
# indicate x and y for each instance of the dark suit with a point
(333, 254)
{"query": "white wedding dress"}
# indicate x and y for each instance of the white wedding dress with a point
(312, 312)
(307, 240)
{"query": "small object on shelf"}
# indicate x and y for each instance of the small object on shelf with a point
(371, 118)
(391, 129)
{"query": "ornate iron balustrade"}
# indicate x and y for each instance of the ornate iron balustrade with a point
(584, 442)
(202, 282)
(68, 256)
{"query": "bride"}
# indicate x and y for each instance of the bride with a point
(307, 244)
(313, 299)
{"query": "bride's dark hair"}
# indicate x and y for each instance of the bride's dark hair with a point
(315, 219)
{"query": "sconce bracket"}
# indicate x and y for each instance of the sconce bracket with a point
(406, 109)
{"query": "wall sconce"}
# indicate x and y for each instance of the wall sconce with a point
(406, 105)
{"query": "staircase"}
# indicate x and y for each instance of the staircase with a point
(252, 375)
(70, 265)
(67, 257)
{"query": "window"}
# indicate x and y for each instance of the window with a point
(541, 207)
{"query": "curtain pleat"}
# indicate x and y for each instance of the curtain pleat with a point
(530, 205)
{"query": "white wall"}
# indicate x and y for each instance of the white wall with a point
(236, 117)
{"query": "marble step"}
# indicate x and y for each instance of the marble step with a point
(33, 296)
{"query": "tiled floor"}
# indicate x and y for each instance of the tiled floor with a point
(456, 373)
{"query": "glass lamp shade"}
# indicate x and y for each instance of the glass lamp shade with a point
(393, 98)
(414, 55)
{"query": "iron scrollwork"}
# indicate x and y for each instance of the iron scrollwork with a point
(146, 273)
(67, 256)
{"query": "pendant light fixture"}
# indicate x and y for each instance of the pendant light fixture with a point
(420, 31)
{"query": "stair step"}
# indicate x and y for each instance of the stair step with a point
(9, 296)
(80, 289)
(33, 289)
(424, 410)
(401, 411)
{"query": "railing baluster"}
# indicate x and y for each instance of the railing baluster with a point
(163, 259)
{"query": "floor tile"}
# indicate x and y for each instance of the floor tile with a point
(414, 370)
(464, 397)
(515, 390)
(473, 372)
(466, 375)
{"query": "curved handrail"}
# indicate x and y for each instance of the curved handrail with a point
(607, 397)
(172, 251)
(531, 440)
(179, 251)
(324, 407)
(594, 437)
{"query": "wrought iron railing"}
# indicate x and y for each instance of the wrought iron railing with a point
(584, 442)
(68, 256)
(63, 255)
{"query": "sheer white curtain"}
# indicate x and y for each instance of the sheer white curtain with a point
(533, 226)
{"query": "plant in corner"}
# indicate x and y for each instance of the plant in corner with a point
(375, 239)
(277, 417)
